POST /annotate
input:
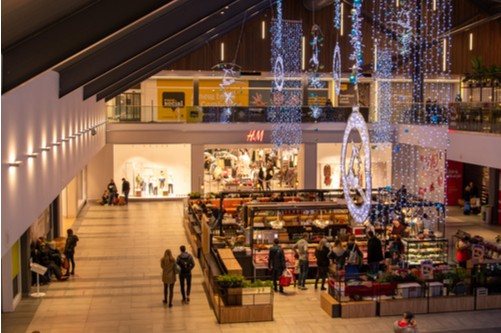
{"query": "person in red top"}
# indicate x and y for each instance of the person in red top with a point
(405, 325)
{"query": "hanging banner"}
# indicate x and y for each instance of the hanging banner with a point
(211, 94)
(454, 182)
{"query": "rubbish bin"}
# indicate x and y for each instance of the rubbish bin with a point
(486, 211)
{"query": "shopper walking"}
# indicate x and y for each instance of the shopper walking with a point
(374, 252)
(276, 263)
(69, 250)
(169, 270)
(322, 254)
(126, 190)
(301, 248)
(186, 263)
(405, 325)
(112, 189)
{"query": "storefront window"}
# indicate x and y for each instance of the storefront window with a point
(250, 168)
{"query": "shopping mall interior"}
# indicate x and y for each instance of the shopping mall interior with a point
(329, 165)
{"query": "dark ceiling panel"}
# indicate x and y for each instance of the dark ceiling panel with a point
(167, 46)
(66, 37)
(21, 18)
(128, 44)
(153, 68)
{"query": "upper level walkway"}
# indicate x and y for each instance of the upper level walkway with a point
(117, 288)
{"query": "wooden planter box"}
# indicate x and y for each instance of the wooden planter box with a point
(358, 309)
(245, 314)
(330, 305)
(451, 304)
(394, 307)
(488, 302)
(231, 296)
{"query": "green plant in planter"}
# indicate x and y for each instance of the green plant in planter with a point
(230, 281)
(195, 195)
(257, 284)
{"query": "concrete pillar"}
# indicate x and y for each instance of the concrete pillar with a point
(310, 166)
(197, 168)
(149, 100)
(72, 199)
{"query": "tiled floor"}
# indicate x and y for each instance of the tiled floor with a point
(117, 287)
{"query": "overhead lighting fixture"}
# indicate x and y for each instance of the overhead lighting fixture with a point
(14, 164)
(434, 5)
(444, 55)
(397, 3)
(341, 30)
(32, 155)
(471, 41)
(222, 51)
(263, 29)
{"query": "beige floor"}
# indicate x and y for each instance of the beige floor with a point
(117, 287)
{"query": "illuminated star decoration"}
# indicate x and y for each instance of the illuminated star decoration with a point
(229, 75)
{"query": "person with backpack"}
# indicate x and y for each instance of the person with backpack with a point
(69, 251)
(353, 259)
(186, 263)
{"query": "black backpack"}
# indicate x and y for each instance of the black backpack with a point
(186, 264)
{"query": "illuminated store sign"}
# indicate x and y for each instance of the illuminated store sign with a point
(255, 136)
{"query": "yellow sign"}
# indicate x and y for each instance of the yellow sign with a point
(173, 96)
(211, 94)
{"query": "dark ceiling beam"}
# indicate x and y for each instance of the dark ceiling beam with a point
(131, 42)
(167, 46)
(68, 36)
(144, 73)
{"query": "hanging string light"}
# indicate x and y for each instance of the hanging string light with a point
(356, 40)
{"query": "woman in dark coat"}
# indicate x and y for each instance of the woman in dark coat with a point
(322, 254)
(374, 252)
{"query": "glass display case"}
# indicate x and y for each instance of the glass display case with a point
(417, 250)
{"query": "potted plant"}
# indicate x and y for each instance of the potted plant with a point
(230, 288)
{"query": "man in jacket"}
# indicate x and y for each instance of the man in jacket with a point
(126, 190)
(69, 250)
(276, 263)
(186, 263)
(374, 252)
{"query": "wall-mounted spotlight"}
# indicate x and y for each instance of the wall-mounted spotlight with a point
(57, 143)
(65, 139)
(14, 164)
(32, 155)
(93, 131)
(46, 148)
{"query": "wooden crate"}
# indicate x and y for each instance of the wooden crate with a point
(488, 302)
(232, 266)
(330, 305)
(451, 304)
(358, 309)
(395, 307)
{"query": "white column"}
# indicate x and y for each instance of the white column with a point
(310, 165)
(197, 168)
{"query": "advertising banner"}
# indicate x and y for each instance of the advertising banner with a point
(173, 96)
(211, 94)
(454, 182)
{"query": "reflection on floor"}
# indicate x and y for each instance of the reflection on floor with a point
(117, 287)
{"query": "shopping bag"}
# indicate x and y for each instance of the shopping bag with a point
(285, 279)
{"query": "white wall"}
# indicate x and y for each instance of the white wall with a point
(475, 148)
(330, 153)
(99, 172)
(33, 116)
(174, 159)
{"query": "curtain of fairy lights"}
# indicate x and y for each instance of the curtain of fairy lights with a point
(413, 35)
(287, 96)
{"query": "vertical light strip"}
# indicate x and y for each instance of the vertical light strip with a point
(341, 30)
(375, 55)
(263, 30)
(397, 3)
(222, 51)
(471, 41)
(303, 53)
(444, 56)
(434, 5)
